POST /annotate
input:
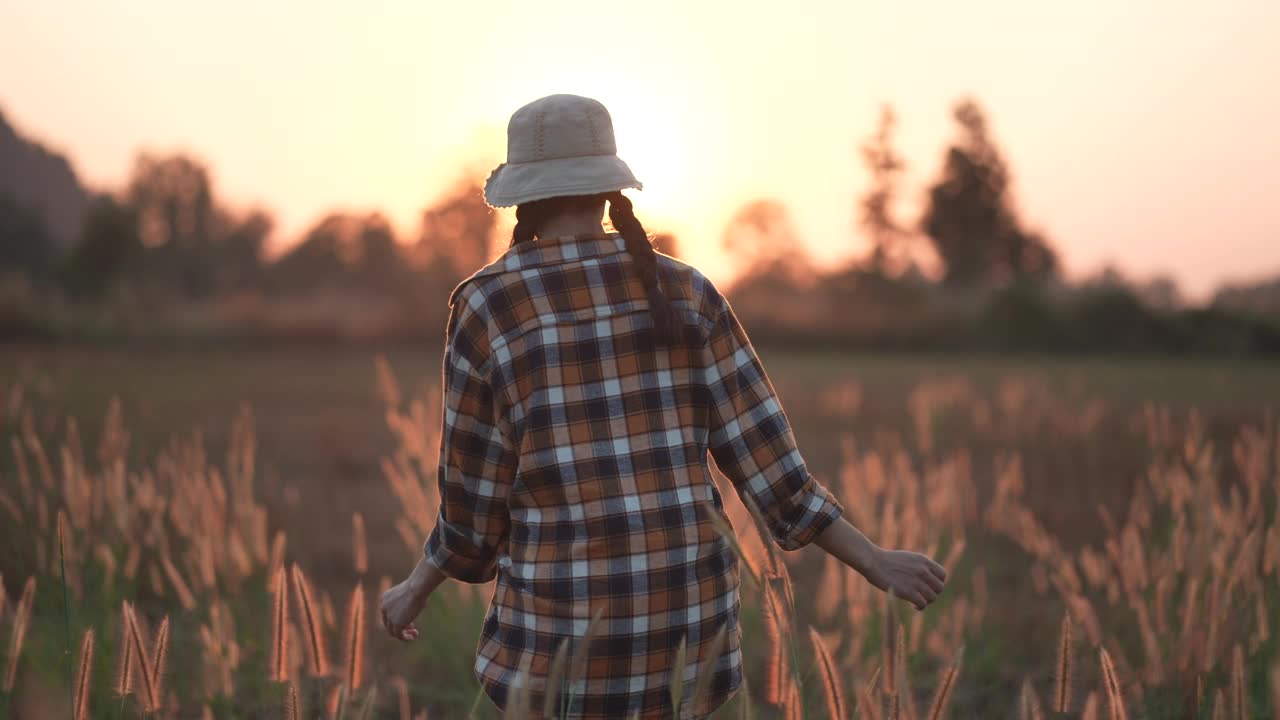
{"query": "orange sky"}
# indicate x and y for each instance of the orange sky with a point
(1139, 132)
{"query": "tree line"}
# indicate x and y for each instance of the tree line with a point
(164, 256)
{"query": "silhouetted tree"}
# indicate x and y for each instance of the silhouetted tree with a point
(193, 246)
(341, 252)
(457, 232)
(763, 241)
(888, 237)
(174, 198)
(970, 217)
(1261, 297)
(109, 243)
(25, 243)
(240, 256)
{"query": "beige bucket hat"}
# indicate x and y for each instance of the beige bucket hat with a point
(558, 145)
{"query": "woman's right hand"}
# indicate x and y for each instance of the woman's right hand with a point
(911, 576)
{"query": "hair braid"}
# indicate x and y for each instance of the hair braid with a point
(528, 216)
(645, 259)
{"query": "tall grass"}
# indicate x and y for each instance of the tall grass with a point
(1174, 596)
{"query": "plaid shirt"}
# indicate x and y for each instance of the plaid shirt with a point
(573, 462)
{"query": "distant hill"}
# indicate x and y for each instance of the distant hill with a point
(42, 180)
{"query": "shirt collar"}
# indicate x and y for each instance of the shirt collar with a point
(549, 251)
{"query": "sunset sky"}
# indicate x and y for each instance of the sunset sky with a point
(1142, 133)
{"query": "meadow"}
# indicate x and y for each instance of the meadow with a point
(222, 519)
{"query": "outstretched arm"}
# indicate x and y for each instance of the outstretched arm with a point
(909, 575)
(406, 601)
(752, 443)
(477, 466)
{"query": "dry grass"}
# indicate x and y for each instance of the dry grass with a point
(84, 676)
(1175, 590)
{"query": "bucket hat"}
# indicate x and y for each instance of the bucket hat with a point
(558, 145)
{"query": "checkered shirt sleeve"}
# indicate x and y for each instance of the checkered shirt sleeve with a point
(752, 442)
(477, 459)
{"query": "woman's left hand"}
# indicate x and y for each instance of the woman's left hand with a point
(401, 605)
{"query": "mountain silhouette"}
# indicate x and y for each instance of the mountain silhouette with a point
(44, 181)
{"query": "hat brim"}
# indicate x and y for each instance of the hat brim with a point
(518, 183)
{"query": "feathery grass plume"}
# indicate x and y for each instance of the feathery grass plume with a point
(1263, 626)
(726, 531)
(868, 704)
(366, 707)
(1275, 691)
(1029, 705)
(707, 668)
(519, 703)
(359, 549)
(1062, 675)
(938, 709)
(276, 561)
(1219, 706)
(677, 677)
(1115, 698)
(292, 707)
(777, 673)
(388, 388)
(354, 656)
(316, 654)
(746, 711)
(125, 666)
(794, 707)
(327, 612)
(888, 666)
(21, 618)
(107, 559)
(581, 651)
(131, 561)
(903, 699)
(10, 507)
(1239, 699)
(159, 657)
(180, 586)
(278, 664)
(953, 555)
(142, 663)
(66, 600)
(1090, 711)
(336, 702)
(402, 697)
(831, 689)
(555, 678)
(84, 673)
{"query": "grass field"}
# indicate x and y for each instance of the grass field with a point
(1064, 480)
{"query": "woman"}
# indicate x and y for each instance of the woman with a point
(586, 378)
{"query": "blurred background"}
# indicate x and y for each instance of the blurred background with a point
(1027, 254)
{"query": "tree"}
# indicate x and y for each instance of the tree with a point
(342, 251)
(763, 242)
(242, 250)
(888, 237)
(109, 243)
(174, 198)
(25, 243)
(457, 231)
(970, 217)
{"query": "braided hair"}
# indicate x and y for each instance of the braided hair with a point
(531, 214)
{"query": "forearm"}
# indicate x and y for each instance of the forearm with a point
(426, 577)
(848, 545)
